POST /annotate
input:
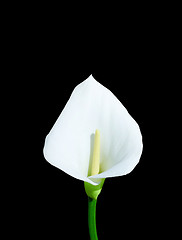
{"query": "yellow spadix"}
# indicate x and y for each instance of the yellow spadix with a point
(92, 190)
(96, 154)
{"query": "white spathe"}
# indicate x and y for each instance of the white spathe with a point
(69, 144)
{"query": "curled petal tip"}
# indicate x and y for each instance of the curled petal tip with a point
(91, 78)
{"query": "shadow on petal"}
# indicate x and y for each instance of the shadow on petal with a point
(91, 153)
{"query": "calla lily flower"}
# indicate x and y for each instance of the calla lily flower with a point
(69, 145)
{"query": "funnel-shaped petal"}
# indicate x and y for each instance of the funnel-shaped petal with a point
(69, 145)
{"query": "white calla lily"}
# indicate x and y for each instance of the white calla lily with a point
(69, 144)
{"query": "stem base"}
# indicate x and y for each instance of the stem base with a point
(92, 218)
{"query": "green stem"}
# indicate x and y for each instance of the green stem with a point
(92, 218)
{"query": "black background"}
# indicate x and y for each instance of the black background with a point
(47, 62)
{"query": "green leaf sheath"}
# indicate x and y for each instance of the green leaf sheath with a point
(92, 218)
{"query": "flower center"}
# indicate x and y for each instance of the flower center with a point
(96, 154)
